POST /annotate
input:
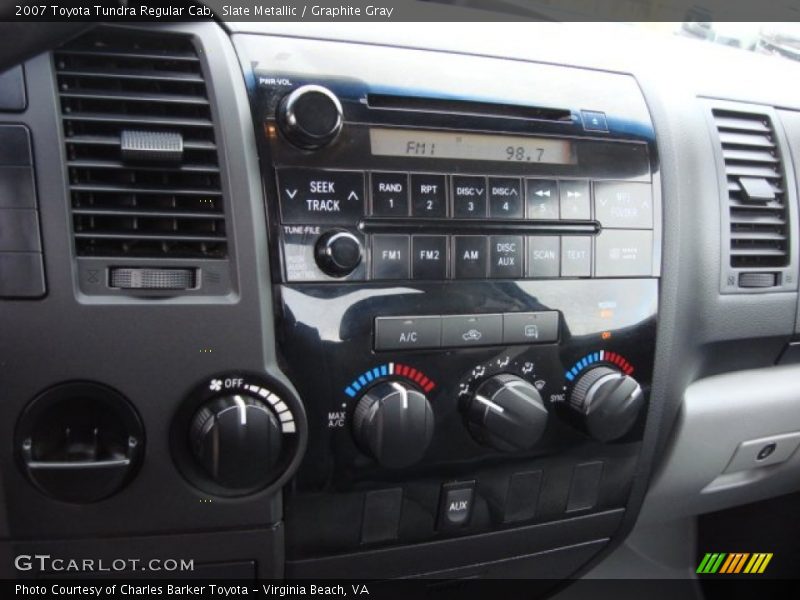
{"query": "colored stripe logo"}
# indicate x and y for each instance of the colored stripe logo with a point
(734, 563)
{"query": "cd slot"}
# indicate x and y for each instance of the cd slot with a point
(499, 226)
(466, 107)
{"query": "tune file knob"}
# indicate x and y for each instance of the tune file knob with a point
(338, 253)
(507, 413)
(393, 423)
(607, 402)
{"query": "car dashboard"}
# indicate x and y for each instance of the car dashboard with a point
(317, 301)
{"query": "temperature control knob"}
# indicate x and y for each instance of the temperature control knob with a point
(394, 424)
(338, 253)
(310, 117)
(507, 413)
(237, 439)
(607, 402)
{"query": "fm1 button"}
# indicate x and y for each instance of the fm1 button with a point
(398, 333)
(455, 506)
(390, 257)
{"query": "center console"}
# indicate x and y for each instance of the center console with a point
(465, 257)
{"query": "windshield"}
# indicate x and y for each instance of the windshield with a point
(778, 39)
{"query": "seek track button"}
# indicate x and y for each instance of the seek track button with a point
(317, 196)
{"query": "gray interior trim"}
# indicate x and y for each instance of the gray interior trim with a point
(718, 414)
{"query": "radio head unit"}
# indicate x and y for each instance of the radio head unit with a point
(466, 269)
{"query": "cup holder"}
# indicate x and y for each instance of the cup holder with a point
(79, 442)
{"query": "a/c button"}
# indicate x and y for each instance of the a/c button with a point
(397, 333)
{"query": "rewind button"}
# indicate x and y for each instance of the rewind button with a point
(542, 198)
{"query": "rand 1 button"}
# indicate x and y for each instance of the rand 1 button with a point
(469, 196)
(471, 330)
(321, 197)
(574, 199)
(624, 253)
(530, 327)
(541, 196)
(470, 256)
(389, 194)
(390, 258)
(398, 333)
(429, 257)
(505, 256)
(428, 195)
(544, 256)
(623, 204)
(505, 198)
(576, 256)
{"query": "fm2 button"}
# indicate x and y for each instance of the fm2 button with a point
(455, 506)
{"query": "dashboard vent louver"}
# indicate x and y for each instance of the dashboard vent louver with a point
(144, 173)
(759, 232)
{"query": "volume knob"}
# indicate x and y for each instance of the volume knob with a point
(310, 117)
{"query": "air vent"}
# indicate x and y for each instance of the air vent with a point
(759, 232)
(144, 174)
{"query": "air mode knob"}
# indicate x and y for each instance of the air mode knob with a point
(394, 424)
(338, 253)
(310, 117)
(607, 402)
(507, 413)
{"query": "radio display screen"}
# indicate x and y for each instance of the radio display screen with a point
(470, 146)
